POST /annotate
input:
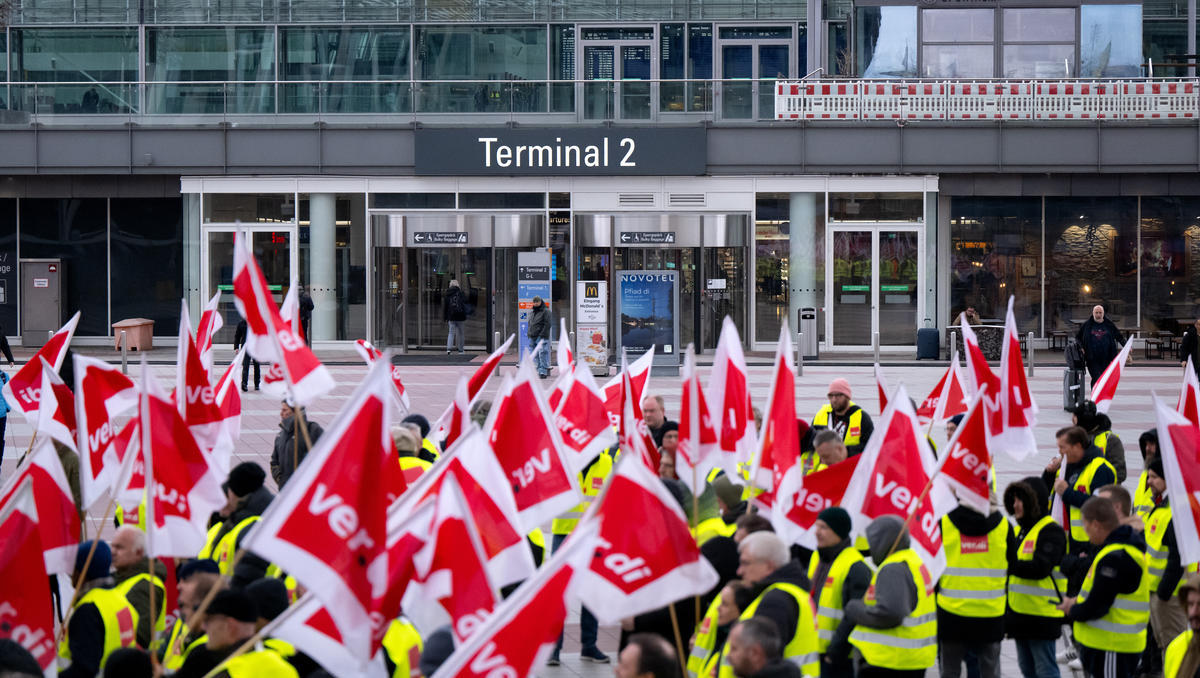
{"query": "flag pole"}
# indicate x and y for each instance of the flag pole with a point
(678, 638)
(83, 573)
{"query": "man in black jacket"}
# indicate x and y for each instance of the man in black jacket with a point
(1086, 472)
(239, 340)
(290, 444)
(1034, 586)
(248, 499)
(833, 543)
(1114, 601)
(1100, 341)
(539, 330)
(1188, 348)
(454, 311)
(765, 560)
(970, 594)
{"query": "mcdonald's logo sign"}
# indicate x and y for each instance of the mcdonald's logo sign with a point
(591, 291)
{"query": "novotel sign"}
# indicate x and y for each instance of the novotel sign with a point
(555, 151)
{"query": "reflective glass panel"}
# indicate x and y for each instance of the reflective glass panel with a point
(480, 58)
(226, 54)
(995, 252)
(958, 25)
(906, 207)
(958, 61)
(341, 54)
(1039, 61)
(1089, 260)
(74, 230)
(8, 266)
(146, 247)
(1170, 255)
(1110, 41)
(1164, 43)
(98, 58)
(1039, 25)
(887, 42)
(852, 288)
(562, 67)
(899, 264)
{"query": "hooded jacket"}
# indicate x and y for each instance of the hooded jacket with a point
(1114, 449)
(779, 606)
(539, 322)
(895, 590)
(854, 586)
(957, 628)
(1048, 552)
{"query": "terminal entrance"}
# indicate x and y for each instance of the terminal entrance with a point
(875, 283)
(272, 247)
(708, 251)
(417, 255)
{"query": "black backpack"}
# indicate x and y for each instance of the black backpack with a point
(455, 303)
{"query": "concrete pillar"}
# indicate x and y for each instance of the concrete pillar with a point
(322, 265)
(803, 255)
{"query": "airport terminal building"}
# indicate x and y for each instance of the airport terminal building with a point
(885, 162)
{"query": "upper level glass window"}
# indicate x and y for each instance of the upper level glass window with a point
(344, 53)
(756, 33)
(95, 60)
(217, 53)
(1039, 42)
(481, 52)
(958, 43)
(1044, 24)
(1110, 41)
(958, 25)
(861, 207)
(886, 42)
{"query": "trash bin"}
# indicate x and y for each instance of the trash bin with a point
(808, 333)
(138, 331)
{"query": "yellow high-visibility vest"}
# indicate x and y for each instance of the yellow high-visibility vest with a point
(1083, 484)
(1123, 627)
(1143, 498)
(1156, 551)
(704, 640)
(830, 606)
(801, 649)
(973, 583)
(591, 486)
(160, 619)
(1036, 597)
(913, 644)
(119, 617)
(853, 434)
(403, 646)
(1174, 654)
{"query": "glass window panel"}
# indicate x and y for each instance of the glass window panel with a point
(958, 25)
(562, 67)
(958, 61)
(1039, 61)
(1086, 263)
(1164, 8)
(700, 51)
(1110, 44)
(1170, 253)
(907, 207)
(836, 9)
(99, 58)
(479, 56)
(616, 33)
(225, 54)
(887, 42)
(147, 260)
(837, 42)
(1039, 25)
(349, 255)
(756, 33)
(1165, 42)
(227, 208)
(344, 53)
(996, 251)
(4, 69)
(73, 230)
(671, 51)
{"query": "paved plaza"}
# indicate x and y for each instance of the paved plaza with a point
(432, 386)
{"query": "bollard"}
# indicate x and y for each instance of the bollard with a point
(799, 354)
(953, 345)
(571, 345)
(496, 341)
(1029, 351)
(124, 352)
(875, 344)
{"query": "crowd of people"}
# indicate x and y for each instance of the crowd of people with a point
(1071, 565)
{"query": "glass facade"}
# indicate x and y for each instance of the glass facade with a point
(1110, 41)
(87, 67)
(886, 42)
(225, 64)
(1165, 36)
(353, 58)
(958, 43)
(474, 58)
(996, 252)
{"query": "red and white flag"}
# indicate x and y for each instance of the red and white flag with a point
(58, 522)
(1105, 387)
(369, 355)
(328, 524)
(776, 467)
(489, 493)
(637, 570)
(698, 449)
(818, 491)
(564, 358)
(460, 416)
(635, 435)
(268, 337)
(966, 468)
(194, 394)
(526, 441)
(56, 414)
(26, 610)
(518, 638)
(582, 420)
(24, 388)
(102, 393)
(474, 385)
(1179, 445)
(729, 395)
(639, 377)
(896, 469)
(228, 398)
(1018, 411)
(182, 485)
(452, 580)
(1189, 395)
(948, 397)
(882, 387)
(977, 366)
(210, 323)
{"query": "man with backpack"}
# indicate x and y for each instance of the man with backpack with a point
(454, 308)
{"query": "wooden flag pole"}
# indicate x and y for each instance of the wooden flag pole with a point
(87, 562)
(678, 638)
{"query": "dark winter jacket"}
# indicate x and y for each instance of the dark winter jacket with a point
(957, 628)
(858, 580)
(239, 335)
(1074, 497)
(282, 466)
(1116, 573)
(250, 567)
(1114, 449)
(452, 310)
(777, 669)
(1100, 341)
(779, 606)
(895, 590)
(139, 596)
(1048, 551)
(85, 635)
(1189, 347)
(539, 322)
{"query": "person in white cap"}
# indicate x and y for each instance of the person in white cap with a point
(843, 416)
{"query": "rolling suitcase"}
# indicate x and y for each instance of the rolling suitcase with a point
(927, 342)
(1073, 393)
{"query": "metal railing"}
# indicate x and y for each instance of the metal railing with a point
(900, 100)
(193, 102)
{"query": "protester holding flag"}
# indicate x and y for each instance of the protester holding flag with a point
(845, 417)
(1113, 607)
(896, 621)
(971, 596)
(291, 445)
(1035, 584)
(1099, 427)
(1074, 476)
(102, 619)
(1164, 564)
(132, 580)
(840, 573)
(248, 499)
(1182, 658)
(782, 596)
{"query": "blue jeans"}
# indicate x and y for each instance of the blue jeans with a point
(454, 338)
(589, 628)
(542, 359)
(1036, 658)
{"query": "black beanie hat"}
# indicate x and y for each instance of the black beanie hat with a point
(101, 560)
(837, 519)
(193, 567)
(1155, 464)
(270, 596)
(245, 478)
(421, 422)
(234, 604)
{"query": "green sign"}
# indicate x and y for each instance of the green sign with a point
(893, 288)
(229, 288)
(856, 288)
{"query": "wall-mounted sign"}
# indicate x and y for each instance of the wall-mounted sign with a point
(533, 280)
(556, 151)
(591, 324)
(439, 238)
(647, 237)
(41, 282)
(647, 302)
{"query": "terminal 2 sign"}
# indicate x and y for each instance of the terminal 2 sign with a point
(557, 151)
